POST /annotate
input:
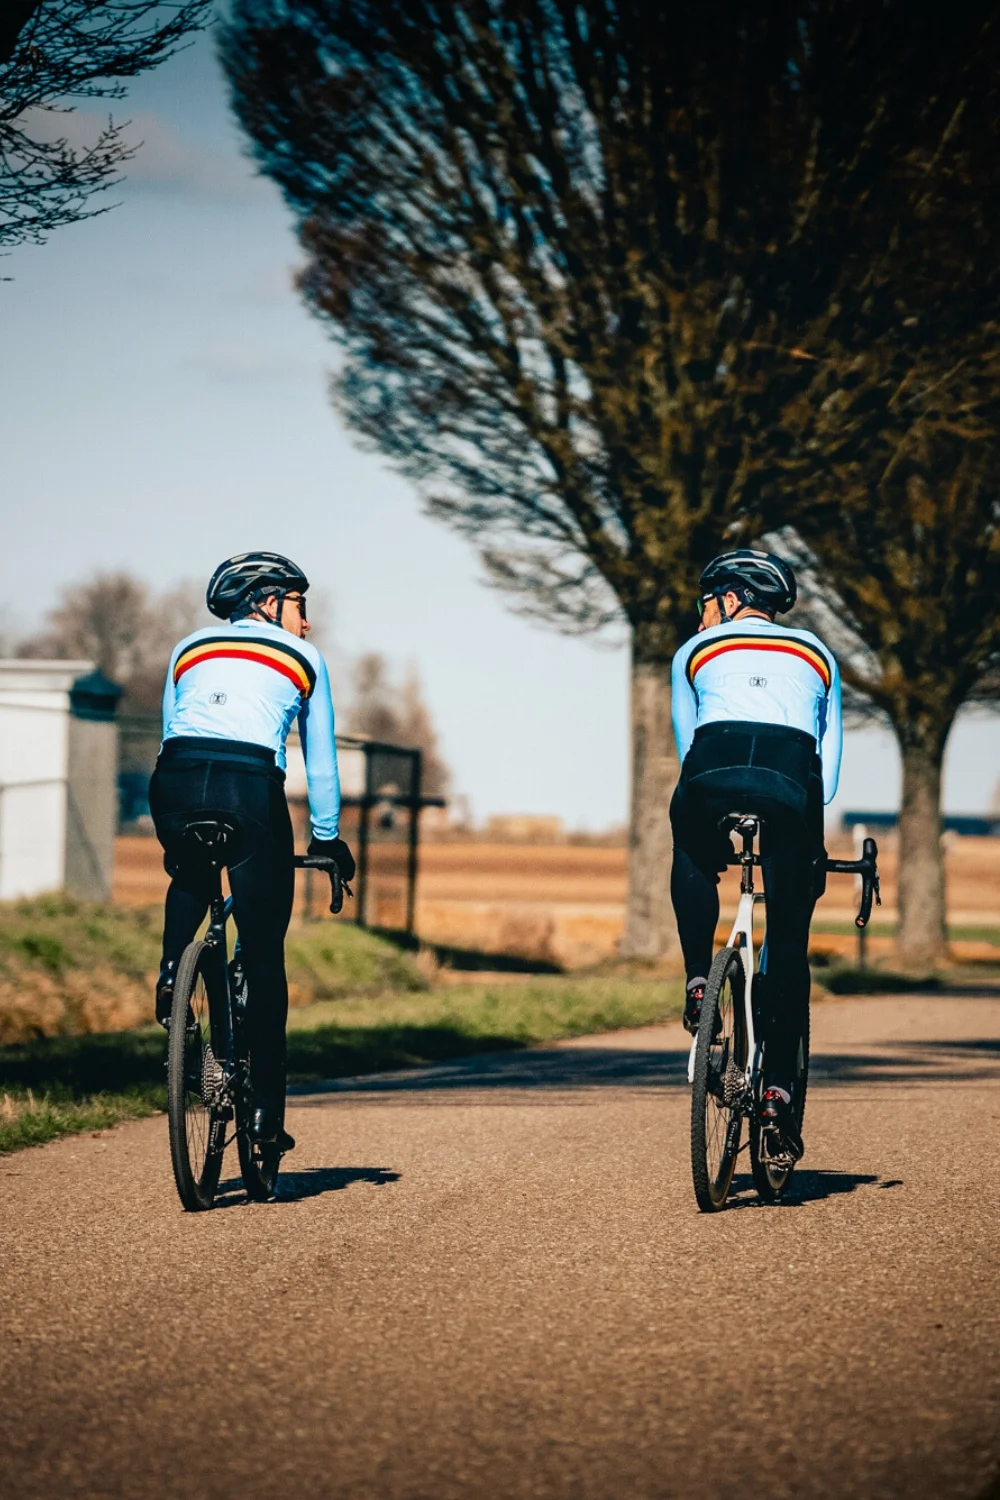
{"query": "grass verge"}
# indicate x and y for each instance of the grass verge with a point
(27, 1119)
(358, 1036)
(56, 1086)
(69, 967)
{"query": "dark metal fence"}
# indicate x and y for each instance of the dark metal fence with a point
(382, 797)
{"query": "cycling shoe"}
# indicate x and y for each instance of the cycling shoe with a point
(165, 992)
(265, 1131)
(781, 1139)
(693, 997)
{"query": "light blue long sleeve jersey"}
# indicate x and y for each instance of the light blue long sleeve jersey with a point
(756, 671)
(248, 680)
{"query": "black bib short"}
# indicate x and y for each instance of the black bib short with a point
(775, 772)
(198, 778)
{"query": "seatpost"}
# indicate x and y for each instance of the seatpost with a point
(217, 905)
(746, 859)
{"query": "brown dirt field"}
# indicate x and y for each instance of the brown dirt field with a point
(566, 902)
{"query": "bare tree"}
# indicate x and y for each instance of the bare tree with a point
(897, 537)
(397, 715)
(116, 621)
(56, 51)
(568, 250)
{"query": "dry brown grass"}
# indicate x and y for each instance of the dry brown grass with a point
(34, 1002)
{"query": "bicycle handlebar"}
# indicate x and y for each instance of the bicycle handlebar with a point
(338, 885)
(867, 868)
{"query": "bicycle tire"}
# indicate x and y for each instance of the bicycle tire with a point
(772, 1185)
(717, 1105)
(196, 1126)
(258, 1164)
(258, 1167)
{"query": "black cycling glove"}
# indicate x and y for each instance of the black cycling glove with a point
(337, 850)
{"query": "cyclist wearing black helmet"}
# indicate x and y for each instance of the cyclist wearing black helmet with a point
(757, 720)
(232, 694)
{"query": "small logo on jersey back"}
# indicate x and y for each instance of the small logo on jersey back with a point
(758, 682)
(217, 698)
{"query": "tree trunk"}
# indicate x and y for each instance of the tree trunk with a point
(922, 934)
(650, 929)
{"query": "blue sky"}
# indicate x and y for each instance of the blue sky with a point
(164, 404)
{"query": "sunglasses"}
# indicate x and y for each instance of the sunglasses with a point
(299, 601)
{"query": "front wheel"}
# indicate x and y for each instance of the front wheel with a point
(719, 1083)
(196, 1110)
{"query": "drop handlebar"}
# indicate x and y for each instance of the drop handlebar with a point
(338, 885)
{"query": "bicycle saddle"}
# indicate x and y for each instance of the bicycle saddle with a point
(211, 833)
(745, 822)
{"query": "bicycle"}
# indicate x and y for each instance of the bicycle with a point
(208, 1055)
(725, 1066)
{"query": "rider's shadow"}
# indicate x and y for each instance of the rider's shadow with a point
(811, 1187)
(311, 1182)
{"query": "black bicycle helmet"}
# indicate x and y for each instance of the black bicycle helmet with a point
(759, 579)
(242, 581)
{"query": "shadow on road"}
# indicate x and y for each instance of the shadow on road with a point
(809, 1187)
(311, 1182)
(543, 1070)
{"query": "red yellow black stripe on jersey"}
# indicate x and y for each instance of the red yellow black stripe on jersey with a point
(281, 658)
(786, 645)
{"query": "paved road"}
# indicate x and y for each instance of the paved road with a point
(490, 1280)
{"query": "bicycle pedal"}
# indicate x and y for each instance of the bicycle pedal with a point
(773, 1152)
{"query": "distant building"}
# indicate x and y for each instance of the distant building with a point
(525, 828)
(987, 826)
(58, 764)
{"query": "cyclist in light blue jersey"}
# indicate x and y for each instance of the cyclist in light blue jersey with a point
(757, 719)
(232, 694)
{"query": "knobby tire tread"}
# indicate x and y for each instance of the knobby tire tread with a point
(711, 1194)
(197, 1182)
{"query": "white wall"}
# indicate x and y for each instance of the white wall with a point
(34, 750)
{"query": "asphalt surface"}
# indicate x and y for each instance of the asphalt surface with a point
(490, 1279)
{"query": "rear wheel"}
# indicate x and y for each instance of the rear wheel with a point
(195, 1105)
(772, 1182)
(719, 1082)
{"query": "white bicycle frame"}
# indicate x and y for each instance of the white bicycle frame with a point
(741, 938)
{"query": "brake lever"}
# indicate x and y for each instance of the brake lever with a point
(870, 885)
(340, 890)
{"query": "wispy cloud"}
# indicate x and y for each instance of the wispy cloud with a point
(236, 363)
(164, 162)
(271, 286)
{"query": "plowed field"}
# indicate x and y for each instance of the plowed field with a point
(566, 902)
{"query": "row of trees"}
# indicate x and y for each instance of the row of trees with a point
(129, 631)
(620, 284)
